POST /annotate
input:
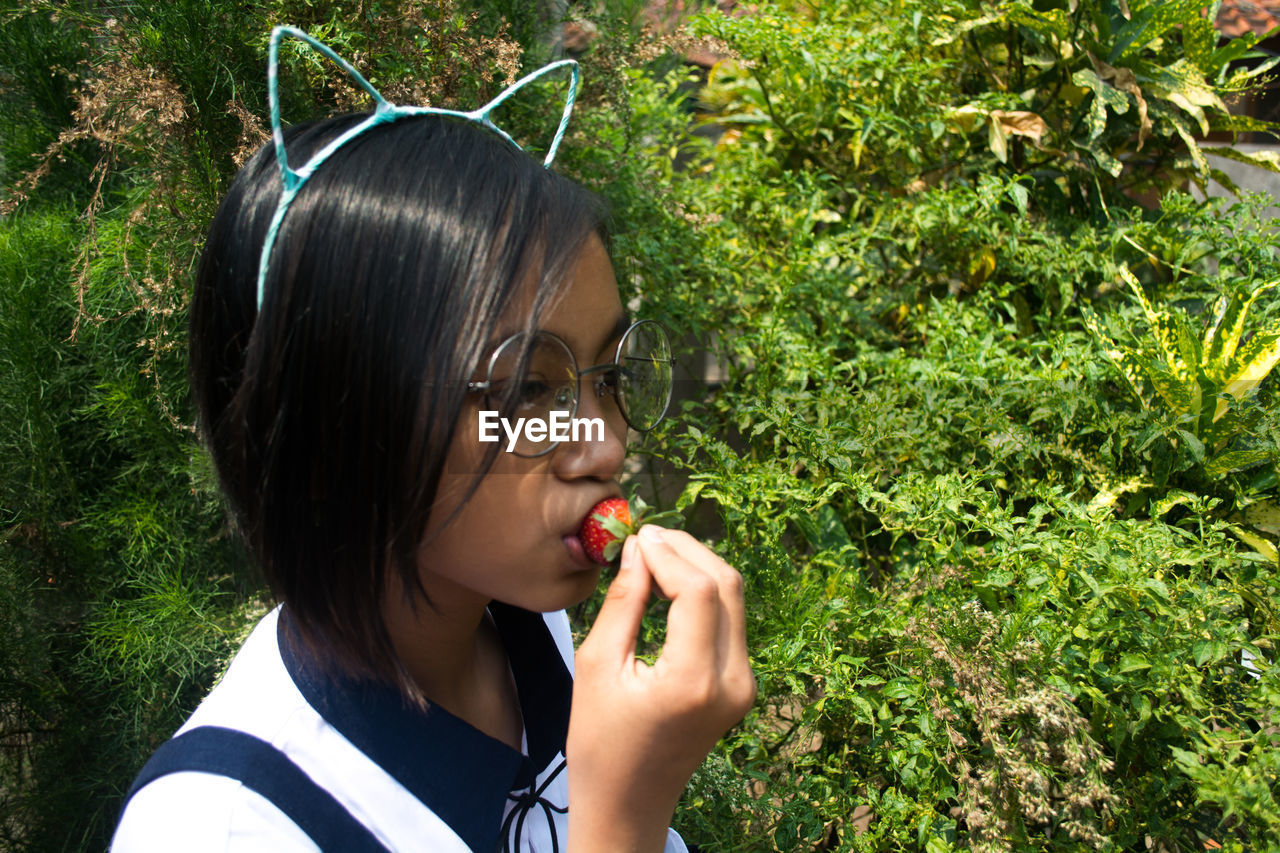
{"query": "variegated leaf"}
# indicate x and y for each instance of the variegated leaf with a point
(1255, 541)
(1229, 422)
(1052, 22)
(1151, 22)
(1199, 39)
(1264, 515)
(1124, 361)
(1193, 147)
(1253, 362)
(1188, 348)
(1110, 164)
(1269, 160)
(1231, 327)
(1211, 344)
(1136, 287)
(1177, 393)
(1236, 460)
(1087, 78)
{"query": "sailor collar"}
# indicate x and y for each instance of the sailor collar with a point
(462, 774)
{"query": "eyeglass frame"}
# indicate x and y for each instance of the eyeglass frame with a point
(484, 387)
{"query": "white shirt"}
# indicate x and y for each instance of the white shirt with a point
(418, 781)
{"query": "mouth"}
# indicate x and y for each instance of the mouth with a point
(573, 545)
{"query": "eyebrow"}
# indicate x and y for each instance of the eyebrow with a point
(620, 325)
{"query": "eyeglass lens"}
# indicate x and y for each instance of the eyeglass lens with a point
(644, 375)
(546, 381)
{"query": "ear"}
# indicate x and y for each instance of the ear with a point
(482, 114)
(288, 175)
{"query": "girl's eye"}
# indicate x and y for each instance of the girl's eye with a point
(534, 393)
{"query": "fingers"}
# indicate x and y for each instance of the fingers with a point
(617, 625)
(698, 621)
(729, 581)
(693, 574)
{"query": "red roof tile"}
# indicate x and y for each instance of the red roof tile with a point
(1237, 17)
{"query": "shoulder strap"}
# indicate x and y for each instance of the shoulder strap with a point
(268, 771)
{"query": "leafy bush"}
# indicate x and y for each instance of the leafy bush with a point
(998, 599)
(998, 602)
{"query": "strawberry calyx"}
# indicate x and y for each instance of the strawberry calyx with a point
(610, 522)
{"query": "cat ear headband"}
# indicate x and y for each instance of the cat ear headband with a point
(292, 180)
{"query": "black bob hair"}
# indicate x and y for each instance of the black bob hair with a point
(329, 411)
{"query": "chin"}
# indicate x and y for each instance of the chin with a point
(571, 589)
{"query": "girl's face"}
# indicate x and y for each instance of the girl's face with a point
(515, 540)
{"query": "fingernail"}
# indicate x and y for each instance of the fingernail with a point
(628, 561)
(651, 532)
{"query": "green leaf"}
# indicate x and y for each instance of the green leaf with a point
(1193, 444)
(823, 529)
(1055, 22)
(1237, 47)
(1130, 662)
(1208, 651)
(1264, 159)
(1021, 198)
(690, 494)
(1199, 38)
(1252, 363)
(1151, 22)
(1234, 460)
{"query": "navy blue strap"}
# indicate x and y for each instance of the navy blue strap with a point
(268, 771)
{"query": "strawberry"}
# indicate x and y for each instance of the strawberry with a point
(609, 523)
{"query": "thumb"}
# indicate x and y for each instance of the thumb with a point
(613, 636)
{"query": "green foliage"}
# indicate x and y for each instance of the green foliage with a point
(996, 602)
(997, 595)
(1200, 378)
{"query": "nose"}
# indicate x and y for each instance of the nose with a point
(597, 453)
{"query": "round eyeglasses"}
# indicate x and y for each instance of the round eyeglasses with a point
(535, 377)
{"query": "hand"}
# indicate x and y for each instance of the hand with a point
(637, 732)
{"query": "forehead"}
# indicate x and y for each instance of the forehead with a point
(589, 307)
(586, 312)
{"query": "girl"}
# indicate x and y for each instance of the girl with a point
(351, 320)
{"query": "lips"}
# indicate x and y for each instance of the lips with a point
(579, 554)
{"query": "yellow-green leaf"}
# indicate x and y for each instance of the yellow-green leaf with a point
(1235, 460)
(1199, 38)
(1053, 21)
(1263, 515)
(998, 140)
(1124, 361)
(1228, 326)
(1263, 546)
(1193, 148)
(1269, 160)
(1176, 392)
(1252, 363)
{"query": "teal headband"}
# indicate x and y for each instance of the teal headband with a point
(294, 179)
